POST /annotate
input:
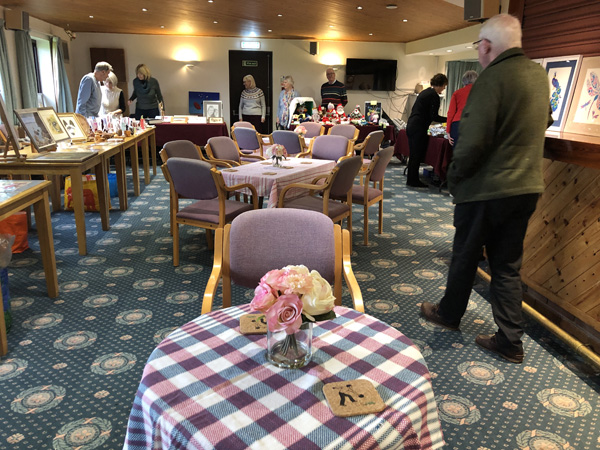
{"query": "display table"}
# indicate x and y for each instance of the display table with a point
(438, 156)
(364, 130)
(198, 133)
(208, 386)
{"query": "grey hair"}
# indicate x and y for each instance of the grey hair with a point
(113, 79)
(469, 77)
(503, 31)
(102, 66)
(289, 79)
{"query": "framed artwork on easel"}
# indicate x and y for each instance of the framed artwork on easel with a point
(41, 139)
(73, 126)
(53, 124)
(11, 133)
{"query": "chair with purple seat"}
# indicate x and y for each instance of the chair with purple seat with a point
(197, 180)
(328, 147)
(292, 142)
(347, 130)
(370, 145)
(313, 129)
(242, 124)
(336, 192)
(248, 140)
(369, 195)
(243, 256)
(223, 149)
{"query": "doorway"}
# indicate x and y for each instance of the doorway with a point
(260, 66)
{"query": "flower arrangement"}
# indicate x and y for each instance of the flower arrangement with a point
(301, 130)
(276, 152)
(290, 297)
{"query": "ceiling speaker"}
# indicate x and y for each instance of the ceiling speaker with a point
(479, 10)
(314, 48)
(16, 19)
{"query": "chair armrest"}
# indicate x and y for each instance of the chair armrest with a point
(351, 282)
(303, 155)
(258, 157)
(268, 137)
(311, 187)
(238, 187)
(213, 281)
(320, 177)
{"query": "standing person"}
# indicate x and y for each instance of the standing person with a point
(457, 104)
(287, 94)
(252, 104)
(147, 92)
(113, 100)
(424, 111)
(333, 91)
(496, 178)
(89, 95)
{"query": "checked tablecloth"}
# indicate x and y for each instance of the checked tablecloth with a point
(208, 386)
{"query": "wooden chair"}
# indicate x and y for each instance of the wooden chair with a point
(292, 142)
(198, 180)
(243, 256)
(346, 130)
(249, 141)
(328, 147)
(222, 149)
(369, 146)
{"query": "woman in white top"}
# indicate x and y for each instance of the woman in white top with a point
(252, 104)
(113, 100)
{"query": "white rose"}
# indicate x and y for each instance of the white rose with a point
(300, 269)
(320, 300)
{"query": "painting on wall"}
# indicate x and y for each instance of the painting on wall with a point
(197, 101)
(562, 74)
(584, 113)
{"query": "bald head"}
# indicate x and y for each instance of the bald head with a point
(497, 35)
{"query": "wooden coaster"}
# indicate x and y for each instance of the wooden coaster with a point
(253, 324)
(306, 162)
(286, 167)
(266, 163)
(269, 173)
(353, 398)
(229, 170)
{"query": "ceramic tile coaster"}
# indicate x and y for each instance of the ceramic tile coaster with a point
(269, 173)
(353, 398)
(253, 324)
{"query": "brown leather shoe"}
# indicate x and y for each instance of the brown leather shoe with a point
(488, 342)
(430, 312)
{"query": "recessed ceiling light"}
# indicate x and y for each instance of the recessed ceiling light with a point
(214, 21)
(91, 17)
(469, 46)
(370, 34)
(359, 7)
(210, 1)
(391, 6)
(431, 53)
(330, 26)
(270, 31)
(449, 51)
(162, 26)
(404, 20)
(279, 15)
(144, 9)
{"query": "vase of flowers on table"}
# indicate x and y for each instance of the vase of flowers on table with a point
(277, 152)
(292, 299)
(300, 130)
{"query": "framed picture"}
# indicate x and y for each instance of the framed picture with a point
(213, 108)
(196, 101)
(11, 133)
(372, 109)
(40, 137)
(562, 74)
(72, 126)
(179, 119)
(584, 113)
(53, 124)
(84, 124)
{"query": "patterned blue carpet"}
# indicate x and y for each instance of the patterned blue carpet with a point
(75, 362)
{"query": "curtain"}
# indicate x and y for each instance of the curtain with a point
(7, 86)
(26, 65)
(64, 101)
(455, 71)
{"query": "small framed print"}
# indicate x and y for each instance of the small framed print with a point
(562, 74)
(584, 113)
(41, 138)
(372, 111)
(53, 124)
(215, 120)
(72, 126)
(212, 108)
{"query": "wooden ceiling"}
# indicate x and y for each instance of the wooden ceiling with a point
(310, 20)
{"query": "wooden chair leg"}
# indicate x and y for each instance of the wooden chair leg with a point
(210, 242)
(380, 216)
(176, 245)
(366, 225)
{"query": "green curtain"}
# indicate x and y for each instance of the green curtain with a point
(64, 101)
(455, 71)
(7, 85)
(26, 66)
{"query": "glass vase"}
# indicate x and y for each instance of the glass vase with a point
(276, 162)
(290, 351)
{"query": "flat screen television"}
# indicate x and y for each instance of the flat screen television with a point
(371, 74)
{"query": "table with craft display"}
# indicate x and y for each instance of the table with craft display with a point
(147, 143)
(74, 164)
(208, 386)
(198, 133)
(438, 156)
(364, 130)
(15, 195)
(269, 181)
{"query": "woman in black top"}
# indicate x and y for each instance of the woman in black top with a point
(425, 111)
(147, 92)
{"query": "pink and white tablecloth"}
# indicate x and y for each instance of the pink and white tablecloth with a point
(208, 386)
(269, 180)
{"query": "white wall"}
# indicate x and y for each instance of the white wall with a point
(211, 74)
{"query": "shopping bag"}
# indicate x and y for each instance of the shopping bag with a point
(16, 225)
(90, 193)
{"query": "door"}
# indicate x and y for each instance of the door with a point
(260, 66)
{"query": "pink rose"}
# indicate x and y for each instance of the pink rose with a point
(264, 298)
(274, 278)
(285, 314)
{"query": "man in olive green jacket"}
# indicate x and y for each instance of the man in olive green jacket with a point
(496, 178)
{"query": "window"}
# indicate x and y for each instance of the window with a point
(45, 79)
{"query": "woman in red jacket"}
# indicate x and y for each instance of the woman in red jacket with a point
(457, 103)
